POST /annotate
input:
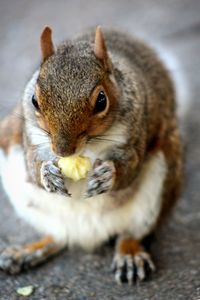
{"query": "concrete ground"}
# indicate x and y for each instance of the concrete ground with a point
(172, 26)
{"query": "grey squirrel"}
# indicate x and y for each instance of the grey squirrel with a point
(105, 95)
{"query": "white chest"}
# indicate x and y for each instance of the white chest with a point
(86, 222)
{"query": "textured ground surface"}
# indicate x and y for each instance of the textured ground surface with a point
(173, 25)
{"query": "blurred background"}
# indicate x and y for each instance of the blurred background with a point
(173, 28)
(171, 25)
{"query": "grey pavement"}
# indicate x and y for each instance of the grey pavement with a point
(172, 25)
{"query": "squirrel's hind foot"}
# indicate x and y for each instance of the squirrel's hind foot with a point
(131, 262)
(13, 260)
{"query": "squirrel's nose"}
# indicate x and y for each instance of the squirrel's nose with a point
(63, 149)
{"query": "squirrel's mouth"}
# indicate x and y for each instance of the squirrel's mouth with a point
(63, 149)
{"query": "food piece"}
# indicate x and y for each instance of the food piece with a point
(25, 291)
(75, 167)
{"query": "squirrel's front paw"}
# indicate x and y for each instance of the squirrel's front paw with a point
(101, 179)
(52, 179)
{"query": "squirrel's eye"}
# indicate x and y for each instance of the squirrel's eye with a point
(101, 102)
(35, 103)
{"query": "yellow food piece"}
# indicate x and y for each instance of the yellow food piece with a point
(75, 167)
(25, 291)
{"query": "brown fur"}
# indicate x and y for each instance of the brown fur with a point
(16, 259)
(140, 97)
(46, 44)
(129, 246)
(11, 129)
(173, 151)
(40, 244)
(100, 49)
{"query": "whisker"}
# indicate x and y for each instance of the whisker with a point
(41, 138)
(102, 139)
(45, 138)
(30, 121)
(113, 134)
(39, 146)
(21, 117)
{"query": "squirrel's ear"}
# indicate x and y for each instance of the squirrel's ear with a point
(46, 43)
(100, 49)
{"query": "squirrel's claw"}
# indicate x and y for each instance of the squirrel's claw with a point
(52, 179)
(101, 179)
(129, 268)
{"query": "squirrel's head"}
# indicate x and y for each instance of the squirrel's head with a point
(76, 95)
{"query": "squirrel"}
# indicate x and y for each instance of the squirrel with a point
(105, 95)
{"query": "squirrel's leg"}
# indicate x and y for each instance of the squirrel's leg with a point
(173, 151)
(131, 262)
(16, 259)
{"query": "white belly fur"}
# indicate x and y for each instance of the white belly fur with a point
(85, 222)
